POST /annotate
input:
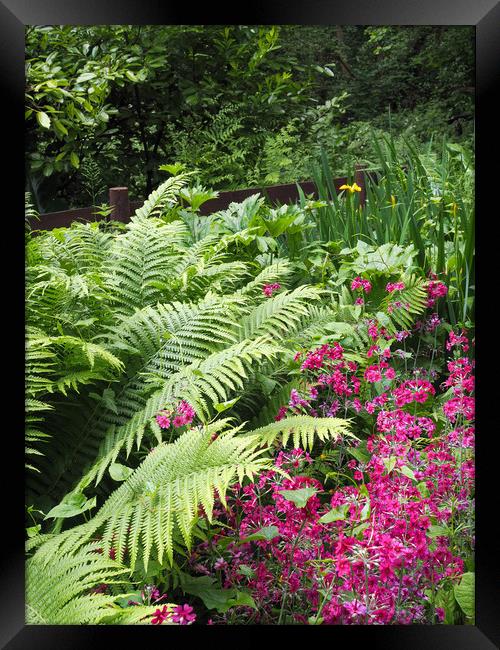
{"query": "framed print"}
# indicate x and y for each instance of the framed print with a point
(249, 323)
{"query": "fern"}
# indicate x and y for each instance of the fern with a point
(281, 313)
(412, 299)
(164, 493)
(60, 594)
(64, 591)
(161, 198)
(302, 430)
(139, 258)
(30, 213)
(213, 379)
(279, 271)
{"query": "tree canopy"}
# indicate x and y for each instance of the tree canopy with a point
(244, 105)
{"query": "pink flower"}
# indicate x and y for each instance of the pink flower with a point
(183, 614)
(163, 421)
(160, 615)
(435, 290)
(390, 373)
(269, 289)
(356, 405)
(281, 413)
(396, 286)
(373, 374)
(379, 572)
(360, 283)
(459, 340)
(187, 410)
(372, 330)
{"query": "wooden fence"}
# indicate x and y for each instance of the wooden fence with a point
(123, 208)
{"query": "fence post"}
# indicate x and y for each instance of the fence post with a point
(360, 179)
(118, 200)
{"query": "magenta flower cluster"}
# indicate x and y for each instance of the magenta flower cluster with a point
(394, 286)
(180, 615)
(269, 289)
(435, 289)
(360, 284)
(376, 551)
(183, 414)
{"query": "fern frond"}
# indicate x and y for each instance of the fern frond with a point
(165, 492)
(202, 383)
(412, 300)
(60, 594)
(303, 430)
(279, 314)
(162, 198)
(141, 257)
(279, 271)
(137, 615)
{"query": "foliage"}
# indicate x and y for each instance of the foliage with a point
(389, 545)
(244, 105)
(418, 198)
(87, 96)
(177, 362)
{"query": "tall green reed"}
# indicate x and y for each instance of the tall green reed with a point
(413, 196)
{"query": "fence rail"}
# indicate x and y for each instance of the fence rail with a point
(123, 208)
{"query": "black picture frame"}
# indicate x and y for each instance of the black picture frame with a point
(485, 16)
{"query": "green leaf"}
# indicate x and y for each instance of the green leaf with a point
(129, 598)
(60, 128)
(72, 505)
(437, 531)
(390, 463)
(300, 497)
(245, 570)
(43, 119)
(268, 532)
(267, 384)
(408, 472)
(85, 76)
(464, 594)
(223, 406)
(359, 453)
(261, 244)
(204, 588)
(174, 169)
(358, 530)
(446, 600)
(364, 490)
(119, 472)
(365, 512)
(130, 75)
(33, 530)
(75, 160)
(336, 514)
(423, 489)
(242, 598)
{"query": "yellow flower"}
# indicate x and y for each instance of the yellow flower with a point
(352, 188)
(393, 200)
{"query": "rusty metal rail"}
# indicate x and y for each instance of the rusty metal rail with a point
(123, 208)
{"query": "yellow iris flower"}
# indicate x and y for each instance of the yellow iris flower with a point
(352, 188)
